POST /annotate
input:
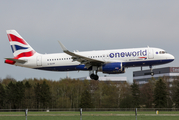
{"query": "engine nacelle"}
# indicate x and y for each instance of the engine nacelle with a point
(113, 68)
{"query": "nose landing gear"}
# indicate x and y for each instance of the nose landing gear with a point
(151, 70)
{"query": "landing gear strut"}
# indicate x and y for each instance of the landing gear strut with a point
(92, 75)
(151, 70)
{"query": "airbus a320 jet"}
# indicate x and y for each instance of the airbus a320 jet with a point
(107, 61)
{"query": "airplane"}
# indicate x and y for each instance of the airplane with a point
(107, 61)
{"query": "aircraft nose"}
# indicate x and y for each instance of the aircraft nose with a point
(171, 57)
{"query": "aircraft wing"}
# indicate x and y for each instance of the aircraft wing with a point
(82, 59)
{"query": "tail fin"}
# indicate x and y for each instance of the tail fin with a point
(19, 46)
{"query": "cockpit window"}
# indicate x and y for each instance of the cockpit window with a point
(162, 52)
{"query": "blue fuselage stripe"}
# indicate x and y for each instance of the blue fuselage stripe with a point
(125, 64)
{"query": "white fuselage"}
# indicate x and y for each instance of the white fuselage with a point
(128, 57)
(107, 61)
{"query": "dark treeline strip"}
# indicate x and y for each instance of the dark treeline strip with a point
(72, 93)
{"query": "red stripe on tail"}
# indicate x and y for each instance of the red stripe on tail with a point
(15, 38)
(25, 54)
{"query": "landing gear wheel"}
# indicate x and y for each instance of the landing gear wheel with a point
(94, 77)
(152, 73)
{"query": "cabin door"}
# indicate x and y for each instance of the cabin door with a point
(39, 60)
(150, 53)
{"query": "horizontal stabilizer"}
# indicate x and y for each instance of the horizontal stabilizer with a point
(16, 60)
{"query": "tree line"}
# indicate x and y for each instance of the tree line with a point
(74, 93)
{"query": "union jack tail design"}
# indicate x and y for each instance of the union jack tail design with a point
(19, 46)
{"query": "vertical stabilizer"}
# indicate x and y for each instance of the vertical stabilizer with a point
(19, 46)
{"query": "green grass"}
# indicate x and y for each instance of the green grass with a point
(91, 118)
(94, 115)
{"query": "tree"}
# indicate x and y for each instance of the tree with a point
(125, 96)
(7, 80)
(37, 91)
(110, 95)
(2, 96)
(42, 95)
(86, 100)
(135, 94)
(11, 95)
(176, 98)
(167, 81)
(45, 95)
(147, 95)
(160, 94)
(29, 95)
(96, 88)
(20, 90)
(126, 102)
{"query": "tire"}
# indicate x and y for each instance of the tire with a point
(152, 73)
(94, 77)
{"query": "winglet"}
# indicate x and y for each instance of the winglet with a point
(62, 46)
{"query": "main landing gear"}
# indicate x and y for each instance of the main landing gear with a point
(92, 75)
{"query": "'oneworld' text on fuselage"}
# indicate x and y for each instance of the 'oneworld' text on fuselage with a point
(129, 54)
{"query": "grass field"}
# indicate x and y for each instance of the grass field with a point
(93, 115)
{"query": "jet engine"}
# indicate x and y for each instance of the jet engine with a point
(113, 68)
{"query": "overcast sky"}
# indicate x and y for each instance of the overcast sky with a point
(86, 25)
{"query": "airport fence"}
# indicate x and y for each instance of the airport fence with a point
(90, 109)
